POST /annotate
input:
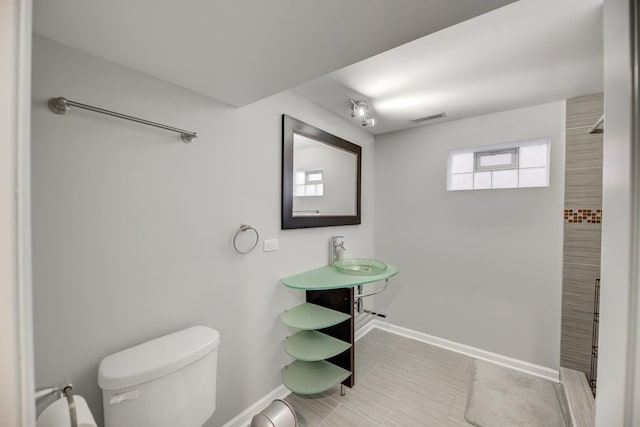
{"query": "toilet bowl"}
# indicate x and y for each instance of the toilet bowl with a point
(166, 382)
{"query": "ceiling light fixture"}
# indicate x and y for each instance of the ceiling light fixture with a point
(359, 109)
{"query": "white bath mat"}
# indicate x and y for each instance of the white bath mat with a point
(501, 397)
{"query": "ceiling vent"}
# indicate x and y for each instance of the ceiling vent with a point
(424, 119)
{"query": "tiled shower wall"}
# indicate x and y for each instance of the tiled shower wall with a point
(582, 230)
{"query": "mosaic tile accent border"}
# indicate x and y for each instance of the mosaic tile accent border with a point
(579, 216)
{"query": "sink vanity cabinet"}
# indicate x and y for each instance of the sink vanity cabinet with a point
(323, 346)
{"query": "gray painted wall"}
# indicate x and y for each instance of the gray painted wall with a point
(481, 268)
(132, 228)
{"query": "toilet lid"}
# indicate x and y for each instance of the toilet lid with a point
(155, 358)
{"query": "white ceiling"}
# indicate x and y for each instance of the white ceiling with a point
(529, 52)
(239, 51)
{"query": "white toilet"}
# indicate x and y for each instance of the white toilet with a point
(166, 382)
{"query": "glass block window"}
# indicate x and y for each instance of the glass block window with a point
(308, 183)
(512, 165)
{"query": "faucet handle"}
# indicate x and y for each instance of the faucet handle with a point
(334, 245)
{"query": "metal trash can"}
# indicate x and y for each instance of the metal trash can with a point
(278, 414)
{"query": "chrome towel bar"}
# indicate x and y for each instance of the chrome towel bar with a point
(364, 295)
(62, 105)
(358, 300)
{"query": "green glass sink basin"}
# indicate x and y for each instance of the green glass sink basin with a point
(360, 266)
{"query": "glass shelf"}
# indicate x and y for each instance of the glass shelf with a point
(313, 346)
(312, 377)
(308, 316)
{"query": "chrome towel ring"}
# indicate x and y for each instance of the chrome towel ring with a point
(243, 228)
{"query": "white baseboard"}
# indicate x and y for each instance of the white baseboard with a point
(364, 330)
(244, 418)
(476, 353)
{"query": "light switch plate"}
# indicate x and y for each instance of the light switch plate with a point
(270, 245)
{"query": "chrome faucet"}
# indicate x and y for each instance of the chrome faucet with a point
(334, 245)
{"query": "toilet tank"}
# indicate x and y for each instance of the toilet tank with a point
(166, 382)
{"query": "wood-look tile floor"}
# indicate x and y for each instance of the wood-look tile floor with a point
(399, 382)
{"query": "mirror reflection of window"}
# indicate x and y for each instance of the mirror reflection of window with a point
(308, 183)
(324, 178)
